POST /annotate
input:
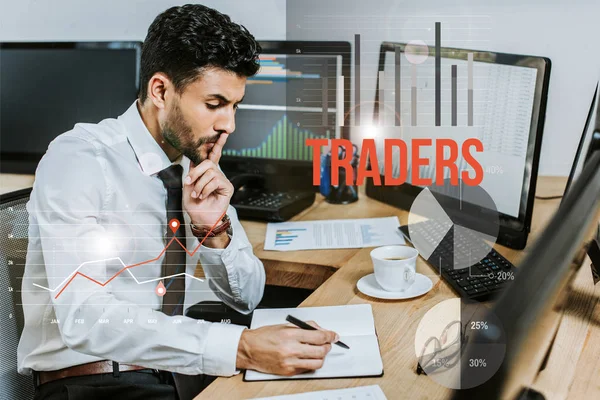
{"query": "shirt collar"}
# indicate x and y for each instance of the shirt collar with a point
(149, 154)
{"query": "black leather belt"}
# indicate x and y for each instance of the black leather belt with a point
(95, 368)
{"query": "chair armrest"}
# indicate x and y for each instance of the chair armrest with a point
(217, 311)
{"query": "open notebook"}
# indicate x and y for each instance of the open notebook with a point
(354, 324)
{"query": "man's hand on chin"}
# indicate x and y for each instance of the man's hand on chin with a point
(206, 194)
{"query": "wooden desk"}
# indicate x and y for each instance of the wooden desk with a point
(12, 182)
(572, 368)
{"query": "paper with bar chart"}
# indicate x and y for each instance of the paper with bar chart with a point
(333, 234)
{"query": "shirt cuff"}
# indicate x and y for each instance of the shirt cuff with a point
(220, 355)
(218, 256)
(225, 257)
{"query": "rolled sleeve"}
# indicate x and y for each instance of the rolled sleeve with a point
(223, 258)
(234, 273)
(222, 343)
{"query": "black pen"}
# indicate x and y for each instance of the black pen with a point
(304, 325)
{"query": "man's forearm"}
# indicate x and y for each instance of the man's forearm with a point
(182, 355)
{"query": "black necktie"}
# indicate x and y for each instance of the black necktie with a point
(188, 386)
(174, 261)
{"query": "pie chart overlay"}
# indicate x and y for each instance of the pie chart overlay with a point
(463, 218)
(459, 344)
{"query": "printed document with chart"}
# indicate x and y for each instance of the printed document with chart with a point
(333, 234)
(355, 325)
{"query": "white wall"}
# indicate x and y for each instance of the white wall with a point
(560, 29)
(80, 20)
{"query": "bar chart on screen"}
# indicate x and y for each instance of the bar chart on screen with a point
(286, 141)
(292, 98)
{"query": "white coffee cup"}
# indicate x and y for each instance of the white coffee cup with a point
(395, 267)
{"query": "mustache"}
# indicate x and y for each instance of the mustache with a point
(193, 154)
(212, 139)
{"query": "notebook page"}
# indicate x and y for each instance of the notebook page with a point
(355, 319)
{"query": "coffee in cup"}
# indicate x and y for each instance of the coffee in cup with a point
(395, 267)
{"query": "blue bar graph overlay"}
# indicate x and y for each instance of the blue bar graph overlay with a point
(284, 237)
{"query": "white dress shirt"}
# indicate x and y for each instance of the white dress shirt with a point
(97, 205)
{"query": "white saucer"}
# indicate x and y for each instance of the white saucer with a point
(369, 286)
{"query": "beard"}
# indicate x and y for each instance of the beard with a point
(178, 133)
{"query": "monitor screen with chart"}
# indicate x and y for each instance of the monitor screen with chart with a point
(284, 105)
(299, 93)
(497, 98)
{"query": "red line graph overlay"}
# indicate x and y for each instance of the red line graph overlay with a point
(143, 262)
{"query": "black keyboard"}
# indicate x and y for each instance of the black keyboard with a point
(481, 281)
(271, 206)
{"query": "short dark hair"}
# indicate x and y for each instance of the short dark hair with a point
(183, 41)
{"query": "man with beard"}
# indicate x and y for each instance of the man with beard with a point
(120, 215)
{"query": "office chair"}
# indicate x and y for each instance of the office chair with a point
(14, 222)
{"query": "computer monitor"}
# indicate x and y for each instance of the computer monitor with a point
(586, 145)
(300, 92)
(49, 87)
(542, 278)
(547, 270)
(498, 98)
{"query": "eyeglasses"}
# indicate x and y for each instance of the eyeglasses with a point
(445, 351)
